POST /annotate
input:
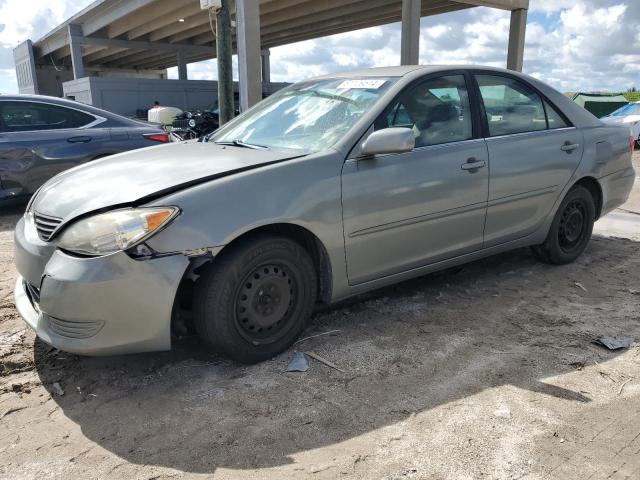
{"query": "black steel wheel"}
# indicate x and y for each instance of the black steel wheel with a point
(571, 228)
(255, 298)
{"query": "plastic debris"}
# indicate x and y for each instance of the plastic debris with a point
(298, 363)
(614, 343)
(57, 389)
(503, 412)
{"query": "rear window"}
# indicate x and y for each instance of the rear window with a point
(33, 116)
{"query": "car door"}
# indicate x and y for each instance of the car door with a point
(39, 140)
(403, 211)
(533, 152)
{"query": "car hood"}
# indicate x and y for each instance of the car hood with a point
(135, 176)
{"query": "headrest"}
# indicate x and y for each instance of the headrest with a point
(443, 112)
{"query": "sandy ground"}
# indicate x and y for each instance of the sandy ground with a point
(484, 371)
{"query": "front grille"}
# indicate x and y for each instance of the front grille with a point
(68, 329)
(46, 225)
(33, 293)
(181, 123)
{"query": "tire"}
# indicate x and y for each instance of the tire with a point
(254, 300)
(570, 230)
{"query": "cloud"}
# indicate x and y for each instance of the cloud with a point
(23, 19)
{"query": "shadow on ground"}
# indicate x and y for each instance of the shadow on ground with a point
(505, 320)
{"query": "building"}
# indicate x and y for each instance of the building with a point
(115, 53)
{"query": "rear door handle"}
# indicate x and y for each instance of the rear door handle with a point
(473, 164)
(82, 139)
(569, 147)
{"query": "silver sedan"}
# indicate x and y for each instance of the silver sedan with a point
(329, 188)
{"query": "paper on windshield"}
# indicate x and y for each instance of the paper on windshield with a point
(373, 83)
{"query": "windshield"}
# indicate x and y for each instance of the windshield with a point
(631, 109)
(307, 117)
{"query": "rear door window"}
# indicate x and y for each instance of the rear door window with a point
(554, 119)
(34, 116)
(511, 106)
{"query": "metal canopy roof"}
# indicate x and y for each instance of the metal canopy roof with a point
(151, 34)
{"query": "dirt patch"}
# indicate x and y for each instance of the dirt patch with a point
(482, 371)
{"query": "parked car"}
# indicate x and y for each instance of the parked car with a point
(329, 188)
(628, 115)
(41, 136)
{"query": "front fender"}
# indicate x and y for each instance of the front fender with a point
(304, 191)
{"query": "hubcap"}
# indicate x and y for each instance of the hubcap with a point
(572, 225)
(264, 302)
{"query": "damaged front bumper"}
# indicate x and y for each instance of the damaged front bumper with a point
(106, 305)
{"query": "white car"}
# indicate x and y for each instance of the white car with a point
(627, 115)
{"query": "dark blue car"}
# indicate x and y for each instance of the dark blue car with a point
(41, 136)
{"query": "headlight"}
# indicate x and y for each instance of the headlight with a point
(115, 231)
(192, 123)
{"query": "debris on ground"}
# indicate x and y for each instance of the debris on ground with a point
(57, 389)
(581, 287)
(317, 335)
(503, 412)
(298, 363)
(614, 343)
(324, 360)
(623, 384)
(20, 388)
(12, 410)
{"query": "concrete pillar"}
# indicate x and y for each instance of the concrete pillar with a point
(225, 65)
(517, 32)
(182, 65)
(410, 41)
(266, 69)
(76, 51)
(249, 67)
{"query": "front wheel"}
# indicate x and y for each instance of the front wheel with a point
(254, 301)
(570, 230)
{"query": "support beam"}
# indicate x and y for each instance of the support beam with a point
(248, 39)
(225, 66)
(141, 45)
(410, 40)
(75, 31)
(517, 31)
(502, 4)
(266, 67)
(182, 65)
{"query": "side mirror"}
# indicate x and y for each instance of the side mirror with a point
(389, 140)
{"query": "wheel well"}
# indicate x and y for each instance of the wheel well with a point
(593, 186)
(309, 242)
(181, 317)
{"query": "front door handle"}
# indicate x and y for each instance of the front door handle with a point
(569, 147)
(82, 139)
(472, 164)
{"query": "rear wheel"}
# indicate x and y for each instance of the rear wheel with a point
(570, 230)
(254, 301)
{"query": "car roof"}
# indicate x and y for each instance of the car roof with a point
(65, 102)
(403, 70)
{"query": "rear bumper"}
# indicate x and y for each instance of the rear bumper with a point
(616, 189)
(96, 306)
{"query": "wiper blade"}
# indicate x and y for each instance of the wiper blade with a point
(241, 143)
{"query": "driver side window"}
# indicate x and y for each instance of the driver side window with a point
(437, 110)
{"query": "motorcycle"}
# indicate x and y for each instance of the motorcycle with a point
(194, 124)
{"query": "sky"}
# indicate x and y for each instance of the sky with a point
(574, 45)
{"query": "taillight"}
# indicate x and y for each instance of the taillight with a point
(157, 137)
